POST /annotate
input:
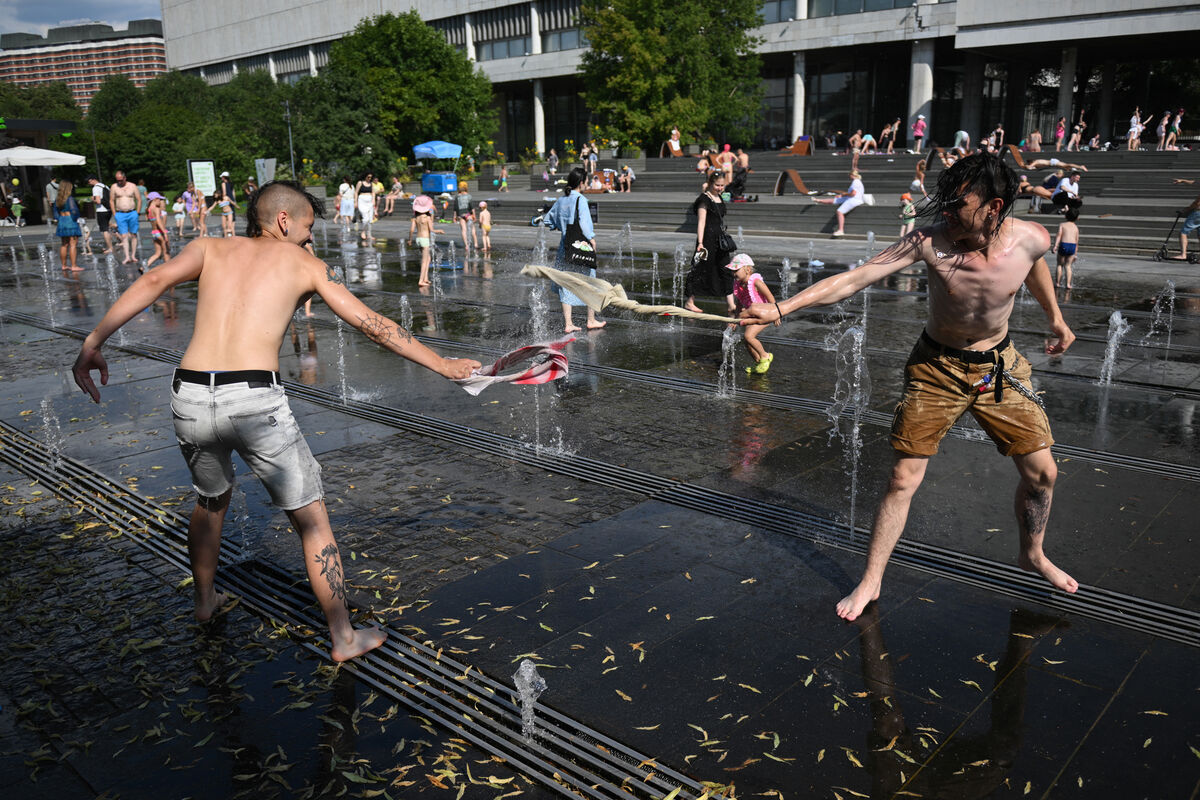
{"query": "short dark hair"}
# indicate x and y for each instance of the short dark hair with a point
(984, 174)
(275, 196)
(1071, 214)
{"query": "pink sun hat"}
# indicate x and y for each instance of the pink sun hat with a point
(422, 204)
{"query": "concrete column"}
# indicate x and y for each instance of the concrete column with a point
(535, 30)
(798, 89)
(1104, 117)
(970, 120)
(233, 63)
(312, 62)
(801, 10)
(920, 86)
(539, 117)
(1014, 102)
(1066, 83)
(469, 36)
(271, 65)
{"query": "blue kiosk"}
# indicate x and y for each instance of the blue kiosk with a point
(437, 182)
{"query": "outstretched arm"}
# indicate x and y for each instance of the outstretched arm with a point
(384, 331)
(144, 291)
(1042, 288)
(834, 289)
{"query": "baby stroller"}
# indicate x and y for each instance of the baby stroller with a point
(1161, 253)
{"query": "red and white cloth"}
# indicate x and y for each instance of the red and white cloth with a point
(551, 368)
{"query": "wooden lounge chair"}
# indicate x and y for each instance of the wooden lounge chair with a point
(792, 175)
(801, 147)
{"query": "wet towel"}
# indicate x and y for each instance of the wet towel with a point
(599, 294)
(553, 367)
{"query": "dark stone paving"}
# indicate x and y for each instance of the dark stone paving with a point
(708, 644)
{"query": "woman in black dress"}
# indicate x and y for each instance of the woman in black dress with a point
(709, 277)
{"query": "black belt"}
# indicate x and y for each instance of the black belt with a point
(994, 380)
(970, 356)
(254, 378)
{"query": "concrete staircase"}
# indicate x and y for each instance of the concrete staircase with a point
(1130, 199)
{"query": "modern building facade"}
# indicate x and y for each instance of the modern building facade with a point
(83, 55)
(828, 65)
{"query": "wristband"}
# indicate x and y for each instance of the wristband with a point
(779, 311)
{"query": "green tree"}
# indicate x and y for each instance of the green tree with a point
(116, 99)
(335, 122)
(154, 143)
(424, 88)
(50, 100)
(654, 64)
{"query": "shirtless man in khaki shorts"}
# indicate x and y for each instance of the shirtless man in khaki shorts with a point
(977, 257)
(226, 393)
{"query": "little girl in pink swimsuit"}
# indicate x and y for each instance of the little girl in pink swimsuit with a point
(749, 287)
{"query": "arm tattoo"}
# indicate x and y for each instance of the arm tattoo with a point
(377, 329)
(331, 569)
(334, 275)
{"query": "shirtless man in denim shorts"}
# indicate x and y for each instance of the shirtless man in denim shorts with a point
(977, 257)
(226, 393)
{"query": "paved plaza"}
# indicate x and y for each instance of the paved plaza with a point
(663, 535)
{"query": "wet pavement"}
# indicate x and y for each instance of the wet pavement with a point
(666, 546)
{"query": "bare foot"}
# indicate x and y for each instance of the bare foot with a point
(592, 326)
(1045, 566)
(206, 609)
(850, 606)
(572, 328)
(690, 306)
(424, 283)
(363, 640)
(76, 269)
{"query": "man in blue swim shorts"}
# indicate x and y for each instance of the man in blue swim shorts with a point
(126, 199)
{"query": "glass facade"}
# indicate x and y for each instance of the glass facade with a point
(829, 8)
(778, 11)
(569, 39)
(513, 47)
(845, 94)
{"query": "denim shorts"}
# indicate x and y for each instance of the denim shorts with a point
(213, 422)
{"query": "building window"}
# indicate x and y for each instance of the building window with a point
(778, 10)
(826, 8)
(570, 39)
(502, 48)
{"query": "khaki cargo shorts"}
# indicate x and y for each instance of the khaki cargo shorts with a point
(941, 384)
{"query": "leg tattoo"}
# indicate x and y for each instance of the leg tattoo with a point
(331, 568)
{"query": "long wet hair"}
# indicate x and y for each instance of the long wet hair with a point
(983, 174)
(276, 195)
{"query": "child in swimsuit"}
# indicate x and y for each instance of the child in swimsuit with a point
(177, 208)
(485, 224)
(908, 214)
(156, 215)
(749, 287)
(421, 231)
(226, 206)
(1066, 242)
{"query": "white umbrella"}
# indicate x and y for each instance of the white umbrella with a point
(36, 157)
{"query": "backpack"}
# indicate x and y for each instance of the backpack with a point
(106, 198)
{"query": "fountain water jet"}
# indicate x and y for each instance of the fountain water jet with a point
(1117, 328)
(785, 278)
(52, 433)
(530, 686)
(726, 385)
